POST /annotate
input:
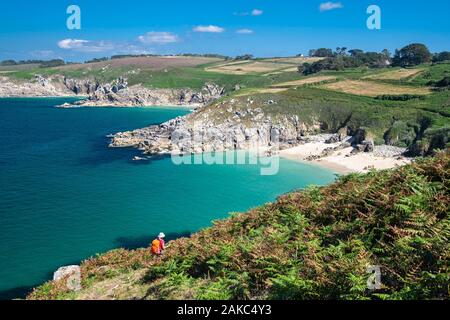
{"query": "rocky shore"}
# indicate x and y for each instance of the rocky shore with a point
(116, 93)
(231, 128)
(38, 87)
(202, 132)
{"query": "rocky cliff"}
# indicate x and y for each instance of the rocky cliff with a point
(38, 87)
(228, 126)
(201, 131)
(118, 93)
(115, 93)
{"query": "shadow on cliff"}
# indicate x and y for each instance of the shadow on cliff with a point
(144, 241)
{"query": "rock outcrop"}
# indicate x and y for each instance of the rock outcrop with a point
(230, 125)
(38, 87)
(116, 93)
(212, 130)
(71, 275)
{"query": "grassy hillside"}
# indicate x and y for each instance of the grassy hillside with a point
(311, 244)
(158, 72)
(397, 106)
(400, 123)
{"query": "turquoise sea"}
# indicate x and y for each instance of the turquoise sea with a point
(66, 196)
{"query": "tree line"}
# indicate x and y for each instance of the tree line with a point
(41, 63)
(342, 58)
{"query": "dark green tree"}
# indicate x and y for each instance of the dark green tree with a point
(442, 56)
(412, 55)
(321, 52)
(341, 51)
(244, 57)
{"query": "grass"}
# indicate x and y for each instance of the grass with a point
(294, 60)
(309, 80)
(311, 244)
(433, 72)
(250, 67)
(397, 74)
(373, 89)
(334, 110)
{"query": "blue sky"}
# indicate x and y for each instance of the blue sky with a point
(37, 30)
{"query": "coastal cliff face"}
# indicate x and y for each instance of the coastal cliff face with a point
(268, 124)
(231, 125)
(39, 87)
(117, 93)
(204, 131)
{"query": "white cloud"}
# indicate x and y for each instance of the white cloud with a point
(86, 45)
(257, 12)
(327, 6)
(245, 31)
(158, 38)
(254, 12)
(103, 46)
(71, 43)
(210, 28)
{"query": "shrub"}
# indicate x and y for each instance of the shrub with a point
(402, 97)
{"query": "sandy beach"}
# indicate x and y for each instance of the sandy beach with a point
(342, 161)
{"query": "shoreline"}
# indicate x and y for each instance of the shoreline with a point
(114, 94)
(43, 97)
(343, 161)
(74, 106)
(335, 167)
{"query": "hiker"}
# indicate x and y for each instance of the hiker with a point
(158, 245)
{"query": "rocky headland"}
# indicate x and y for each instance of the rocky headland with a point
(38, 87)
(115, 94)
(227, 125)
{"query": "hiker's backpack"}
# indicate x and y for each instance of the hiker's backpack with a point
(156, 246)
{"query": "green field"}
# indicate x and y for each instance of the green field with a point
(397, 106)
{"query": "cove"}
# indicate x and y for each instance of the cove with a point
(66, 196)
